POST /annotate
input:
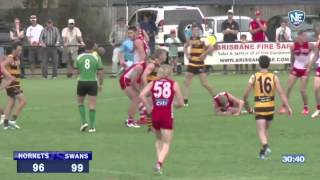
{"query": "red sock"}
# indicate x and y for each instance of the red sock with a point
(160, 163)
(305, 107)
(318, 107)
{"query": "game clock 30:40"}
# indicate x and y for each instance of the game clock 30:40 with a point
(293, 158)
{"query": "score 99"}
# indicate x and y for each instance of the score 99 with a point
(77, 167)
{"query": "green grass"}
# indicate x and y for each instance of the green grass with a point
(204, 147)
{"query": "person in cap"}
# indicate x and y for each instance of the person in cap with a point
(116, 37)
(230, 29)
(50, 40)
(33, 34)
(172, 42)
(72, 39)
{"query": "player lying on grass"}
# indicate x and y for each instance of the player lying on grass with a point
(14, 91)
(88, 66)
(226, 104)
(162, 92)
(264, 84)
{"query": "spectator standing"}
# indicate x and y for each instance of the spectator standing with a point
(33, 35)
(151, 29)
(283, 34)
(230, 29)
(50, 40)
(17, 36)
(72, 38)
(258, 28)
(172, 42)
(116, 37)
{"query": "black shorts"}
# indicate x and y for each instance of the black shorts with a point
(14, 91)
(266, 117)
(196, 70)
(87, 88)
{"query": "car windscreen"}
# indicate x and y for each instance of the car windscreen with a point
(243, 25)
(174, 17)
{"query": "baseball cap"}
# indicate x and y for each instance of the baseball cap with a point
(230, 11)
(258, 12)
(71, 21)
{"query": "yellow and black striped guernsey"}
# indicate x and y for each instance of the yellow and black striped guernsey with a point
(197, 48)
(153, 75)
(14, 69)
(264, 91)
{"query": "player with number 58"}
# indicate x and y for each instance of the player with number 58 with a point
(264, 84)
(162, 92)
(90, 70)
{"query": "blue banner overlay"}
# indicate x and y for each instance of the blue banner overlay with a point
(52, 155)
(51, 166)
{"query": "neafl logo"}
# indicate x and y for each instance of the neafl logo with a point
(296, 17)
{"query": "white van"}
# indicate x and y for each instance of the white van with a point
(167, 18)
(215, 22)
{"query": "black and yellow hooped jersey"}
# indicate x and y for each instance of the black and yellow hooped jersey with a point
(14, 69)
(153, 75)
(264, 92)
(197, 48)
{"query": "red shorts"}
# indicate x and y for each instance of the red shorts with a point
(318, 72)
(162, 124)
(124, 82)
(299, 72)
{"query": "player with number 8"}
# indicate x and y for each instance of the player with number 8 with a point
(90, 70)
(162, 92)
(264, 84)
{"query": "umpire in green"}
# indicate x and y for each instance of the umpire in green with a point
(89, 67)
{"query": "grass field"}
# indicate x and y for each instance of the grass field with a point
(205, 147)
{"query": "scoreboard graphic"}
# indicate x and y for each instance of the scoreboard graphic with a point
(52, 161)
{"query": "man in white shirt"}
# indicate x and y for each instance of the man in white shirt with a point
(72, 38)
(283, 33)
(33, 35)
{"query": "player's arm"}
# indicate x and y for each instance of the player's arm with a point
(282, 95)
(100, 74)
(315, 50)
(145, 35)
(138, 44)
(219, 112)
(291, 55)
(179, 98)
(150, 67)
(9, 78)
(143, 96)
(237, 101)
(121, 56)
(246, 94)
(185, 49)
(134, 77)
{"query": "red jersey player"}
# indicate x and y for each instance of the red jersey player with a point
(226, 104)
(162, 92)
(300, 60)
(130, 83)
(316, 83)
